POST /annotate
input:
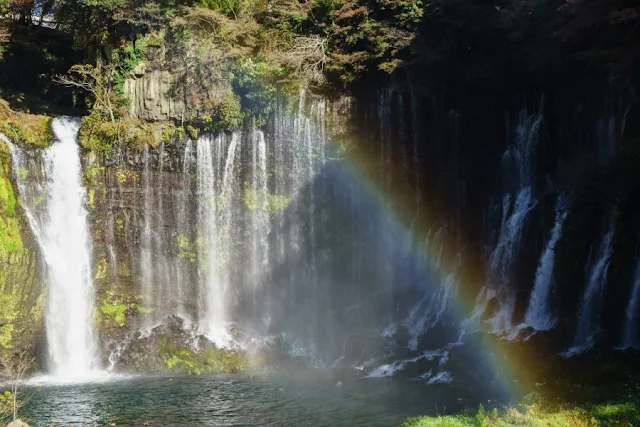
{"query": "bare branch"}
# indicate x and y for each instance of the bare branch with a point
(96, 81)
(13, 367)
(306, 55)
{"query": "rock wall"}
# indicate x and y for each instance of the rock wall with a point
(21, 286)
(340, 270)
(164, 88)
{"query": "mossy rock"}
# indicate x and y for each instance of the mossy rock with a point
(115, 310)
(26, 129)
(209, 359)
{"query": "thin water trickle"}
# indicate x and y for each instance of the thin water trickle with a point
(260, 222)
(538, 314)
(631, 338)
(596, 279)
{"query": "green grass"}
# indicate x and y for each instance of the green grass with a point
(619, 414)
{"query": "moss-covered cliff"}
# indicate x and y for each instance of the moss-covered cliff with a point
(21, 286)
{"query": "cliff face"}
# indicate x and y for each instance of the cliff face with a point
(21, 286)
(350, 230)
(494, 167)
(500, 163)
(175, 83)
(159, 95)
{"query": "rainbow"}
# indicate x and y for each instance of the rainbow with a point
(412, 220)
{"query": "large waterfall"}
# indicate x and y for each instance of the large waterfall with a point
(55, 202)
(273, 236)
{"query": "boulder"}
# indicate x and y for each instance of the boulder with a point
(18, 423)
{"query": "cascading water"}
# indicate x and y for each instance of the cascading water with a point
(517, 163)
(62, 232)
(146, 240)
(631, 335)
(217, 211)
(212, 303)
(596, 279)
(183, 229)
(538, 314)
(260, 223)
(428, 311)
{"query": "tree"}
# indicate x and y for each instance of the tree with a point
(305, 56)
(99, 82)
(14, 366)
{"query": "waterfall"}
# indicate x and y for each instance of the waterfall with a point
(212, 306)
(630, 335)
(538, 314)
(518, 161)
(217, 212)
(62, 232)
(183, 225)
(146, 239)
(428, 311)
(596, 278)
(260, 222)
(295, 226)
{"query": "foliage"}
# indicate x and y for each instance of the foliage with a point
(101, 136)
(227, 115)
(97, 135)
(128, 58)
(101, 82)
(92, 174)
(255, 200)
(534, 415)
(10, 237)
(28, 129)
(235, 8)
(114, 309)
(6, 405)
(363, 35)
(254, 80)
(14, 367)
(186, 249)
(209, 359)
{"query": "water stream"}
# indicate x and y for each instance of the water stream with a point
(55, 202)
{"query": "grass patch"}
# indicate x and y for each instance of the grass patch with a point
(622, 414)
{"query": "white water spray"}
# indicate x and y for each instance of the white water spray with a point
(62, 232)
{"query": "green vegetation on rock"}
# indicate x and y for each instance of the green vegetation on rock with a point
(21, 297)
(24, 128)
(10, 238)
(254, 200)
(227, 115)
(208, 360)
(186, 249)
(114, 309)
